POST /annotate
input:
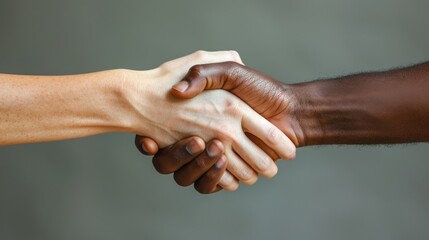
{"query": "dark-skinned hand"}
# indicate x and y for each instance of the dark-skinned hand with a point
(381, 107)
(191, 162)
(266, 96)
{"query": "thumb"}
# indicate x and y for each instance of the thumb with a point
(146, 145)
(205, 77)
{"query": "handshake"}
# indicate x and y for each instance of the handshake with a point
(246, 129)
(212, 121)
(256, 120)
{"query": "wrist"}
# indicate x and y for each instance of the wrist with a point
(122, 92)
(305, 119)
(138, 95)
(337, 111)
(128, 92)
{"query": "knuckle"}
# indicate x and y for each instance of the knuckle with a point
(161, 167)
(246, 175)
(263, 165)
(164, 68)
(200, 54)
(274, 136)
(232, 107)
(200, 163)
(228, 183)
(201, 189)
(180, 180)
(250, 180)
(234, 70)
(226, 131)
(211, 175)
(235, 56)
(196, 70)
(167, 163)
(231, 187)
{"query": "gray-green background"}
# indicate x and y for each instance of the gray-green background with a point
(102, 188)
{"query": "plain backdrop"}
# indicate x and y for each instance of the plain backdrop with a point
(102, 188)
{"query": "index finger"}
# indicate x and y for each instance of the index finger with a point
(268, 133)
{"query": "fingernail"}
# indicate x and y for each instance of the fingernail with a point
(219, 164)
(181, 86)
(144, 148)
(193, 147)
(213, 150)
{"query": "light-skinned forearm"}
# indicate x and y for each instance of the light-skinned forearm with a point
(45, 108)
(370, 108)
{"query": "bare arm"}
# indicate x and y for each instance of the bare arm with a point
(369, 108)
(45, 108)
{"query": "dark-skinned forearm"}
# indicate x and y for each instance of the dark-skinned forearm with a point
(370, 108)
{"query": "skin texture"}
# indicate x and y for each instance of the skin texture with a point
(369, 108)
(46, 108)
